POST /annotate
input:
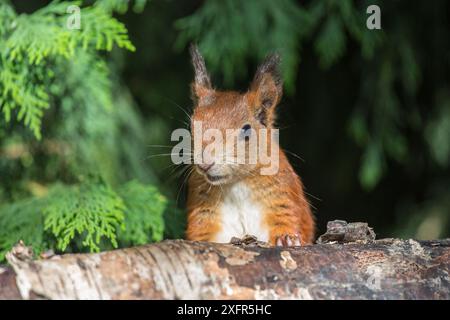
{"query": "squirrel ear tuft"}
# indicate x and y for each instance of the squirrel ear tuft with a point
(201, 88)
(267, 87)
(267, 83)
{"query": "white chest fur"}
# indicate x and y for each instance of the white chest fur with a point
(240, 215)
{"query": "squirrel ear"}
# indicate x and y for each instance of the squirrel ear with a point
(201, 88)
(267, 87)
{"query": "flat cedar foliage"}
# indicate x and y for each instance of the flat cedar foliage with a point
(65, 185)
(80, 109)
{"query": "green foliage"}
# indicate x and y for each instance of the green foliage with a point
(330, 44)
(32, 42)
(219, 32)
(379, 120)
(122, 6)
(91, 128)
(22, 220)
(91, 210)
(87, 216)
(18, 92)
(372, 166)
(437, 131)
(83, 127)
(142, 228)
(283, 26)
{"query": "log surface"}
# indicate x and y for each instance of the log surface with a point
(178, 269)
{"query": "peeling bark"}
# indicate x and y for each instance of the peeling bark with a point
(178, 269)
(8, 287)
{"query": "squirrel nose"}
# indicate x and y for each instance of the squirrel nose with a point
(205, 166)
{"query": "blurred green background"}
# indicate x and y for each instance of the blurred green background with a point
(365, 115)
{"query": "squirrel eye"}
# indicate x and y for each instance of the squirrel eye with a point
(246, 131)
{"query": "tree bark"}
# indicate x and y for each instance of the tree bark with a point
(178, 269)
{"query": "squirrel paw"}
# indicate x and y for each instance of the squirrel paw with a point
(289, 240)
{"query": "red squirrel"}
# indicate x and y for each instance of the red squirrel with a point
(229, 200)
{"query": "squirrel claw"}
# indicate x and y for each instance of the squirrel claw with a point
(288, 240)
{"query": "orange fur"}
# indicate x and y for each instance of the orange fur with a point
(285, 210)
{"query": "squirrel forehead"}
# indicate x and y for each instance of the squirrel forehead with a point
(227, 110)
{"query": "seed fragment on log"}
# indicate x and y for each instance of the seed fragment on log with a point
(178, 269)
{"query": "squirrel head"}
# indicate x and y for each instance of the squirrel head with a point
(240, 119)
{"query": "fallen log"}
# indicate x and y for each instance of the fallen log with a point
(179, 269)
